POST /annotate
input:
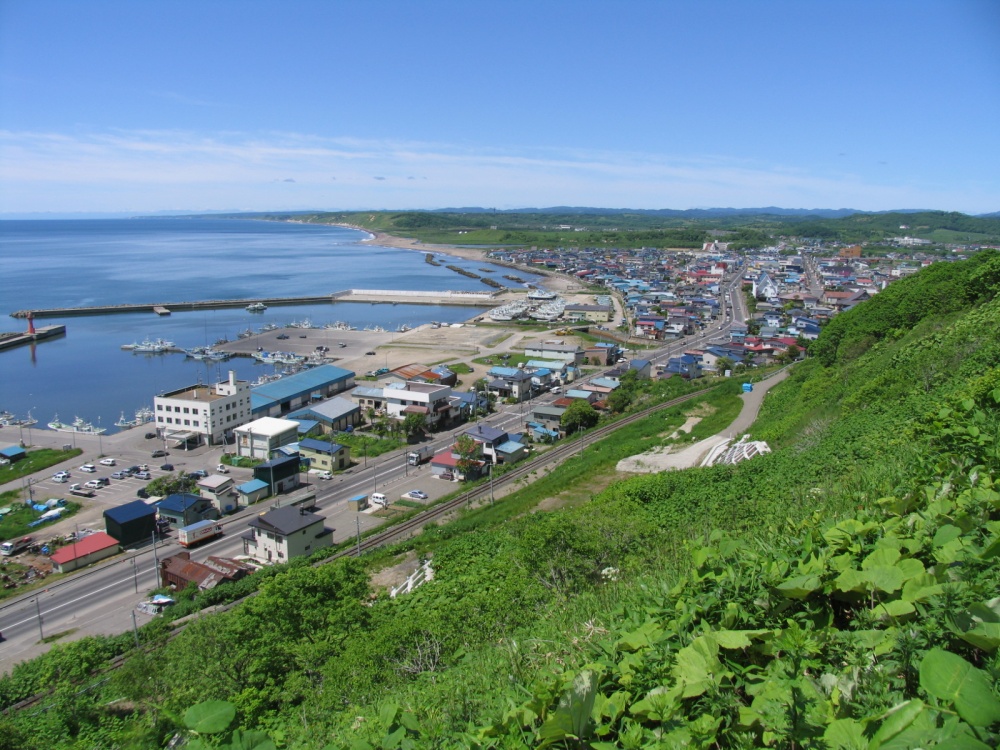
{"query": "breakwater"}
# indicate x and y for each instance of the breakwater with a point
(374, 296)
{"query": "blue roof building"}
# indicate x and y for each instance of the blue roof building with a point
(299, 390)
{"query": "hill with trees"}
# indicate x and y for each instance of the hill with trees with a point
(840, 592)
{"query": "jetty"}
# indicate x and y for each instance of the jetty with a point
(9, 340)
(373, 296)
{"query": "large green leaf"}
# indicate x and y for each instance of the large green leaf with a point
(951, 678)
(852, 581)
(800, 587)
(885, 578)
(897, 720)
(845, 734)
(251, 740)
(921, 588)
(210, 717)
(985, 635)
(882, 557)
(698, 666)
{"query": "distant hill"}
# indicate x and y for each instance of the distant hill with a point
(690, 213)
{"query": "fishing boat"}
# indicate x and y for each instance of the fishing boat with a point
(125, 423)
(78, 425)
(256, 307)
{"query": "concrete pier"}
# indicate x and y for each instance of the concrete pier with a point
(376, 296)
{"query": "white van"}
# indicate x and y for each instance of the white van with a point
(378, 498)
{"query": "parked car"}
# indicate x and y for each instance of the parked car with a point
(167, 467)
(132, 470)
(378, 498)
(417, 495)
(142, 493)
(150, 435)
(370, 354)
(89, 468)
(143, 475)
(446, 475)
(282, 336)
(121, 475)
(107, 462)
(93, 484)
(159, 454)
(61, 476)
(143, 467)
(221, 469)
(325, 475)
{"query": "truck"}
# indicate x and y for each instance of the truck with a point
(75, 489)
(419, 455)
(196, 533)
(15, 545)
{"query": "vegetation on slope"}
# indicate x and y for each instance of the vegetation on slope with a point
(840, 592)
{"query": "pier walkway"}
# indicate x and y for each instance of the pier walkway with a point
(375, 296)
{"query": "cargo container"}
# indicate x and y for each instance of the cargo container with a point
(196, 533)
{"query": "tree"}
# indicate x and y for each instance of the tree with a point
(619, 400)
(724, 363)
(468, 452)
(579, 415)
(172, 484)
(414, 424)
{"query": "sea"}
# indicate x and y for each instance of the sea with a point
(75, 263)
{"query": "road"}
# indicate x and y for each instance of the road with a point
(102, 599)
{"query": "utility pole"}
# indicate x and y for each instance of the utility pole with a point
(38, 609)
(135, 575)
(358, 522)
(491, 484)
(156, 562)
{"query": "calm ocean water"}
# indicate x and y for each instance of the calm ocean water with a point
(77, 263)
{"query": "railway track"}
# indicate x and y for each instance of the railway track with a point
(406, 528)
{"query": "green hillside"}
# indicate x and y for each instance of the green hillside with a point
(840, 592)
(626, 229)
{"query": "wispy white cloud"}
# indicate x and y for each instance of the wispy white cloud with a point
(152, 170)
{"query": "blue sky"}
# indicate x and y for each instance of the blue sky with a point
(129, 106)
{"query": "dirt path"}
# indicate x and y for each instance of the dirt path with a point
(673, 457)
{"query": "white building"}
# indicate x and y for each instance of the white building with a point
(202, 413)
(284, 533)
(260, 438)
(435, 402)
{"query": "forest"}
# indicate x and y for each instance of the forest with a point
(841, 592)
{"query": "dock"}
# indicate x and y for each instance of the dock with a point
(373, 296)
(10, 340)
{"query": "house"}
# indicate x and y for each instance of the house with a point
(183, 509)
(285, 533)
(446, 462)
(86, 551)
(262, 437)
(325, 456)
(252, 492)
(198, 414)
(561, 352)
(179, 571)
(369, 398)
(434, 402)
(220, 490)
(489, 438)
(549, 417)
(590, 313)
(510, 452)
(281, 473)
(641, 367)
(511, 383)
